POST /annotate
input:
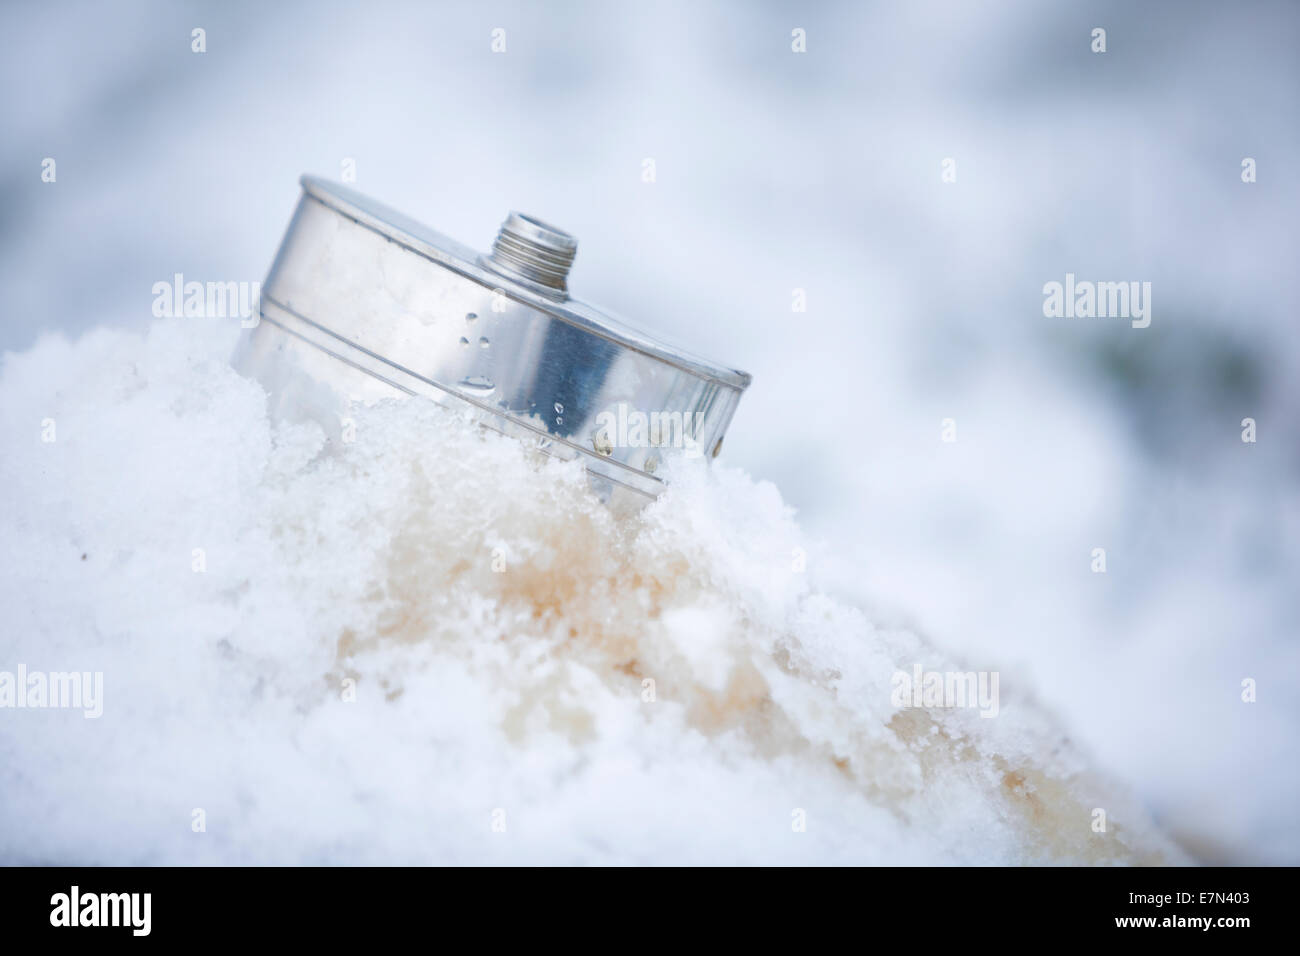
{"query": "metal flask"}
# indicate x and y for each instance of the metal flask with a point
(364, 304)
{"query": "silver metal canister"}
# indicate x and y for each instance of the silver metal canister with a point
(363, 303)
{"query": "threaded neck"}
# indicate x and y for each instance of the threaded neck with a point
(529, 249)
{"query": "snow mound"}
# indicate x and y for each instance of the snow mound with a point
(431, 645)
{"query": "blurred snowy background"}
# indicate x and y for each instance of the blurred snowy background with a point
(819, 171)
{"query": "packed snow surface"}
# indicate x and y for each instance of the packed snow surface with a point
(432, 645)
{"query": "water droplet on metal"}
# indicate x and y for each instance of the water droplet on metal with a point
(478, 384)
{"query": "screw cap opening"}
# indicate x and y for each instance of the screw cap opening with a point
(527, 248)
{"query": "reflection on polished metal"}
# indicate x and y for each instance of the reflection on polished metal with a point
(364, 304)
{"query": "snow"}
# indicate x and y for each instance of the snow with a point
(350, 677)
